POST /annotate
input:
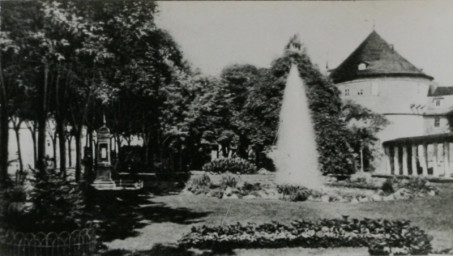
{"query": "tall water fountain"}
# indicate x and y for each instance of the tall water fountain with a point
(295, 156)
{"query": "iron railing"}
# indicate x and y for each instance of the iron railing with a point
(81, 242)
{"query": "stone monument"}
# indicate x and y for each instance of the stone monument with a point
(103, 180)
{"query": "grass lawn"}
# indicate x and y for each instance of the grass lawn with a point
(164, 219)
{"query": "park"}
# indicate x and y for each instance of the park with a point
(112, 142)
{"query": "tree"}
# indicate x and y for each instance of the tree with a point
(363, 125)
(263, 106)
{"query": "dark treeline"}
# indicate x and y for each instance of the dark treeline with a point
(74, 61)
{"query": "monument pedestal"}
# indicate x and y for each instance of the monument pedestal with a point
(104, 178)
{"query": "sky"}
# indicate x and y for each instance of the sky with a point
(216, 34)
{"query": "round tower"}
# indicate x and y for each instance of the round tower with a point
(377, 77)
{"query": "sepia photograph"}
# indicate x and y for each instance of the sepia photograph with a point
(226, 128)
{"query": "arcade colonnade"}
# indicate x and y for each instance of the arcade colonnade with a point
(430, 155)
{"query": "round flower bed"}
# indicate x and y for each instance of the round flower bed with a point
(231, 187)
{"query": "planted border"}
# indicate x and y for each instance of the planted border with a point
(382, 237)
(233, 165)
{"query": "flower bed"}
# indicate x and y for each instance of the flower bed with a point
(382, 237)
(232, 165)
(229, 186)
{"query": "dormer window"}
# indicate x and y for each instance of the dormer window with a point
(437, 102)
(362, 66)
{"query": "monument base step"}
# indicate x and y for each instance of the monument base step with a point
(104, 184)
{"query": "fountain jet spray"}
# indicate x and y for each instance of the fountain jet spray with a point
(296, 156)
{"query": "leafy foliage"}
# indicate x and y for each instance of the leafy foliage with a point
(361, 178)
(394, 235)
(14, 208)
(362, 125)
(228, 181)
(419, 184)
(262, 106)
(388, 186)
(247, 188)
(48, 204)
(413, 185)
(233, 165)
(296, 193)
(199, 184)
(57, 205)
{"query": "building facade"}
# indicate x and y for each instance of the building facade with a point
(375, 76)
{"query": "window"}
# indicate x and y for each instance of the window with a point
(436, 122)
(103, 152)
(346, 92)
(362, 66)
(437, 102)
(360, 92)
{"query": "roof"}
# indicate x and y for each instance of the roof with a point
(441, 91)
(379, 58)
(442, 137)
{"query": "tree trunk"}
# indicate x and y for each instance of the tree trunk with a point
(60, 126)
(4, 136)
(62, 147)
(243, 145)
(118, 145)
(78, 164)
(31, 127)
(147, 146)
(4, 129)
(69, 141)
(19, 152)
(42, 122)
(54, 149)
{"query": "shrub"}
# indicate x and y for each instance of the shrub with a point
(247, 188)
(228, 181)
(296, 193)
(419, 184)
(233, 165)
(15, 194)
(52, 205)
(217, 193)
(14, 209)
(57, 204)
(199, 184)
(381, 236)
(361, 177)
(387, 186)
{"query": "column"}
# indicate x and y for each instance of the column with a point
(424, 160)
(396, 162)
(446, 159)
(414, 160)
(388, 160)
(450, 165)
(435, 159)
(405, 167)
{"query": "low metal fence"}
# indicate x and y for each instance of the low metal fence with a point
(81, 242)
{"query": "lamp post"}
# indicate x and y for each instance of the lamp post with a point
(102, 157)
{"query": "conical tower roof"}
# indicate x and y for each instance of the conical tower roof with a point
(375, 57)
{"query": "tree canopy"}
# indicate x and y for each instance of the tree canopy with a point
(74, 61)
